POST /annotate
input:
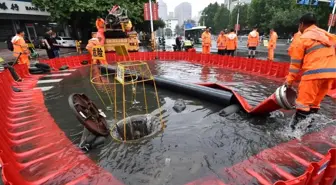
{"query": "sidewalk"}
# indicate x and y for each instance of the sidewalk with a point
(8, 55)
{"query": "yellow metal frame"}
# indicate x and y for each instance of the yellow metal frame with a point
(142, 70)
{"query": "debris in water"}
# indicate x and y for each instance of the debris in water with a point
(179, 105)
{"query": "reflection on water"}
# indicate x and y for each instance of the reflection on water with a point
(197, 142)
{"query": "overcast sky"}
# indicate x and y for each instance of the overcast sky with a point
(197, 5)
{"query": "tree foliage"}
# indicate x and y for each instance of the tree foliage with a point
(282, 15)
(81, 14)
(243, 16)
(221, 19)
(215, 16)
(146, 27)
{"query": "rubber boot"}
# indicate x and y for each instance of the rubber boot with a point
(314, 110)
(299, 116)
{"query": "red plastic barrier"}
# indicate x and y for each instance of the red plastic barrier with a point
(33, 149)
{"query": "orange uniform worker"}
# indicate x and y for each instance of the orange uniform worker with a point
(221, 43)
(20, 46)
(94, 41)
(100, 25)
(314, 55)
(231, 43)
(272, 44)
(206, 41)
(252, 42)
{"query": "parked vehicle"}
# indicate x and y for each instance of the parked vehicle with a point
(66, 42)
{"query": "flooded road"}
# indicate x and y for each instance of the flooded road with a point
(197, 142)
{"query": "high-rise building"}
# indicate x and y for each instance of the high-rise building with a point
(171, 15)
(163, 10)
(183, 12)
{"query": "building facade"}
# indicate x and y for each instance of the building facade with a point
(183, 12)
(163, 10)
(22, 14)
(170, 26)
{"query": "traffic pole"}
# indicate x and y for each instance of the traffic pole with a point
(237, 18)
(151, 23)
(332, 16)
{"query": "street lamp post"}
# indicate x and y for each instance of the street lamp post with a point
(333, 16)
(237, 18)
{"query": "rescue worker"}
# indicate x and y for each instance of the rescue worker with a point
(206, 41)
(221, 43)
(231, 43)
(314, 56)
(20, 46)
(252, 42)
(187, 44)
(94, 41)
(272, 44)
(100, 24)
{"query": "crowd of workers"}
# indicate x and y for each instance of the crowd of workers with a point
(227, 42)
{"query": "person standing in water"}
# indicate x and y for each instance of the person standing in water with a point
(206, 41)
(313, 55)
(252, 42)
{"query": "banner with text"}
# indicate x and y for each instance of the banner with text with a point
(155, 10)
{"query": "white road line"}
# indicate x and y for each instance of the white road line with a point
(58, 74)
(67, 70)
(46, 88)
(49, 81)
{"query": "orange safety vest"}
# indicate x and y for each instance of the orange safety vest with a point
(273, 40)
(253, 39)
(92, 42)
(206, 39)
(221, 42)
(314, 55)
(19, 46)
(232, 41)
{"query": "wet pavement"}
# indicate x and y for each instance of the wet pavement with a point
(197, 141)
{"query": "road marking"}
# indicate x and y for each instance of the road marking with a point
(49, 81)
(67, 70)
(58, 74)
(46, 88)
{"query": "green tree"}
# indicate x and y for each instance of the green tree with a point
(221, 19)
(179, 30)
(81, 14)
(208, 15)
(146, 27)
(243, 16)
(284, 15)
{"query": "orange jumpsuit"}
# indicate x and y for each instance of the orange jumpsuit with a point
(100, 24)
(314, 55)
(94, 42)
(253, 39)
(20, 46)
(206, 42)
(272, 45)
(221, 44)
(231, 43)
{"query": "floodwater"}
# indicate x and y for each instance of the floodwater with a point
(196, 142)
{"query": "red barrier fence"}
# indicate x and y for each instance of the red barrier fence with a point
(34, 150)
